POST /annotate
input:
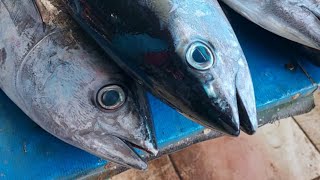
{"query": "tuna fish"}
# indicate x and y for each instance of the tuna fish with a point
(184, 51)
(65, 84)
(297, 20)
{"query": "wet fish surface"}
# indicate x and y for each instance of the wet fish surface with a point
(297, 20)
(66, 84)
(185, 52)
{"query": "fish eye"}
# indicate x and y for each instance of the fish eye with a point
(111, 97)
(200, 56)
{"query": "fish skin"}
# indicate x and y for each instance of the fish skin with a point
(53, 74)
(297, 20)
(158, 34)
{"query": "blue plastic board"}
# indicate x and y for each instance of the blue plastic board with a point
(313, 71)
(28, 152)
(268, 55)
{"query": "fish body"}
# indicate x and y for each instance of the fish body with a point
(297, 20)
(184, 52)
(67, 85)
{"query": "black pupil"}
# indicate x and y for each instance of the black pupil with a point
(201, 54)
(110, 98)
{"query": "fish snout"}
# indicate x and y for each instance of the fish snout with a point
(111, 148)
(234, 103)
(235, 84)
(246, 99)
(136, 127)
(223, 105)
(214, 95)
(228, 115)
(225, 89)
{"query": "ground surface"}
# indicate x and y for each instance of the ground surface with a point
(287, 149)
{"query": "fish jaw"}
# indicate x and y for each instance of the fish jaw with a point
(57, 80)
(204, 93)
(296, 20)
(246, 99)
(111, 148)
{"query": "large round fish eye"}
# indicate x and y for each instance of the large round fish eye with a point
(111, 97)
(200, 56)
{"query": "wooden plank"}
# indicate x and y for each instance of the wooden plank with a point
(277, 151)
(310, 122)
(161, 168)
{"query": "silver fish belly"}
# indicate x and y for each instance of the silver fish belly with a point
(185, 52)
(67, 85)
(297, 20)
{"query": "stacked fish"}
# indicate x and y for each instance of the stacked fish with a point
(90, 93)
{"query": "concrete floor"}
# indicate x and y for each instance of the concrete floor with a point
(287, 149)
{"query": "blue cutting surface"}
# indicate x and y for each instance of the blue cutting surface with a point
(28, 152)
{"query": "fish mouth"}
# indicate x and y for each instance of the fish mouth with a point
(111, 148)
(234, 108)
(229, 116)
(248, 122)
(223, 116)
(241, 115)
(149, 148)
(246, 102)
(229, 123)
(145, 145)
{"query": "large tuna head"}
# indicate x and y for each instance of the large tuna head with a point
(297, 20)
(206, 43)
(64, 83)
(184, 51)
(85, 100)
